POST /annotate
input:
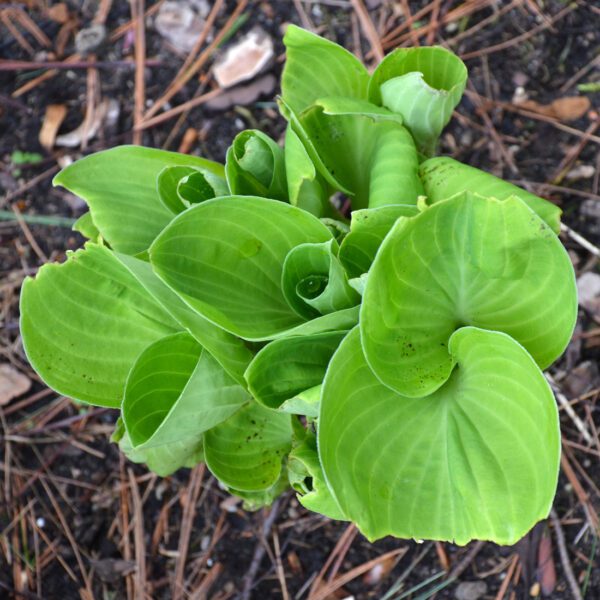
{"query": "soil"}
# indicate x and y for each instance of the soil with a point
(67, 500)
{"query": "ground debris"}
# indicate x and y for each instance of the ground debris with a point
(12, 383)
(470, 590)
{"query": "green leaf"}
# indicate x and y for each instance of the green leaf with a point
(224, 257)
(316, 67)
(119, 186)
(424, 85)
(444, 177)
(477, 459)
(85, 226)
(179, 187)
(85, 321)
(229, 351)
(306, 477)
(314, 281)
(305, 403)
(255, 166)
(363, 150)
(306, 188)
(175, 392)
(464, 261)
(259, 499)
(162, 460)
(368, 229)
(286, 367)
(246, 451)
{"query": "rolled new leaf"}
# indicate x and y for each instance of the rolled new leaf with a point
(119, 186)
(424, 85)
(225, 258)
(477, 459)
(314, 281)
(179, 187)
(84, 322)
(316, 67)
(175, 392)
(368, 229)
(362, 150)
(289, 366)
(255, 166)
(306, 477)
(444, 177)
(475, 261)
(246, 452)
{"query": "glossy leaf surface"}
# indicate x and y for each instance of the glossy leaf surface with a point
(100, 321)
(119, 186)
(478, 459)
(464, 261)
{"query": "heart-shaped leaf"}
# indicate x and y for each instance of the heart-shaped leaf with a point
(464, 261)
(246, 451)
(119, 186)
(424, 85)
(477, 459)
(444, 177)
(224, 257)
(101, 319)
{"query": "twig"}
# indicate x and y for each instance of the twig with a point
(187, 520)
(569, 409)
(140, 583)
(518, 39)
(33, 65)
(337, 583)
(259, 551)
(580, 240)
(279, 567)
(196, 65)
(564, 556)
(464, 564)
(137, 15)
(506, 580)
(369, 29)
(28, 235)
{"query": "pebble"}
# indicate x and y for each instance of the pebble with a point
(470, 590)
(245, 59)
(89, 39)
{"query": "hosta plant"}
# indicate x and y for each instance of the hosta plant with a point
(345, 313)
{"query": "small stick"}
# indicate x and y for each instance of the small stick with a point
(137, 15)
(279, 566)
(5, 18)
(259, 551)
(140, 582)
(585, 434)
(369, 29)
(28, 235)
(506, 581)
(33, 65)
(580, 240)
(521, 38)
(197, 64)
(564, 556)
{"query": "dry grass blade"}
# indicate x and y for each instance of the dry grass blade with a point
(187, 521)
(564, 556)
(196, 65)
(139, 579)
(342, 580)
(369, 29)
(137, 16)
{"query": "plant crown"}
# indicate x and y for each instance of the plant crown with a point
(385, 361)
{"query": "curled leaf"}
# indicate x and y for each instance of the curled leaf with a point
(477, 459)
(424, 85)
